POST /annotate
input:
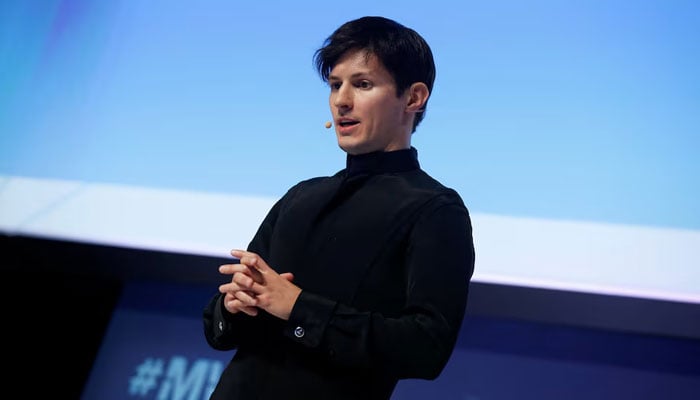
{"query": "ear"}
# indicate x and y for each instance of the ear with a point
(418, 94)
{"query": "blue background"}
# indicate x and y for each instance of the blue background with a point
(551, 109)
(582, 111)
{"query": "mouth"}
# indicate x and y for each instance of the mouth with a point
(344, 123)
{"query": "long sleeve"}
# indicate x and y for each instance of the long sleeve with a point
(384, 256)
(225, 331)
(418, 341)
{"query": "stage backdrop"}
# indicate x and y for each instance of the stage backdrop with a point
(154, 350)
(572, 131)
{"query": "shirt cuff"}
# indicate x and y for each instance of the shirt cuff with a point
(309, 318)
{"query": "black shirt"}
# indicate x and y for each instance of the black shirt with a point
(384, 255)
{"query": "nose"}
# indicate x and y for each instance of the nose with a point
(342, 98)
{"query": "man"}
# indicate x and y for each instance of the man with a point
(356, 280)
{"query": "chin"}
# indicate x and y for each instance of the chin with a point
(354, 145)
(347, 149)
(348, 146)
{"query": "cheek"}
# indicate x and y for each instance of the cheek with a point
(386, 112)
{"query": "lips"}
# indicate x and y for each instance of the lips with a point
(344, 122)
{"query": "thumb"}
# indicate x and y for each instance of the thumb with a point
(288, 276)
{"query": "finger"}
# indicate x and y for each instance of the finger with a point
(252, 311)
(229, 269)
(257, 267)
(246, 299)
(234, 306)
(228, 297)
(234, 285)
(243, 280)
(238, 253)
(256, 275)
(230, 287)
(251, 259)
(288, 276)
(226, 269)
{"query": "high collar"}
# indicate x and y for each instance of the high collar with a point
(382, 162)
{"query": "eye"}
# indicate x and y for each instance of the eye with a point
(364, 84)
(334, 85)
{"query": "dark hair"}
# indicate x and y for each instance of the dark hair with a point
(402, 51)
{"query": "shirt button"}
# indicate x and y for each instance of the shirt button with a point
(299, 332)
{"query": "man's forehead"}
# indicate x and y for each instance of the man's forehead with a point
(359, 60)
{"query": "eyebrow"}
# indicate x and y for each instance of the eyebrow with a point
(353, 76)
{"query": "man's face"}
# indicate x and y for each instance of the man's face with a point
(367, 113)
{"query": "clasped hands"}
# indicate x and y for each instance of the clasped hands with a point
(255, 285)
